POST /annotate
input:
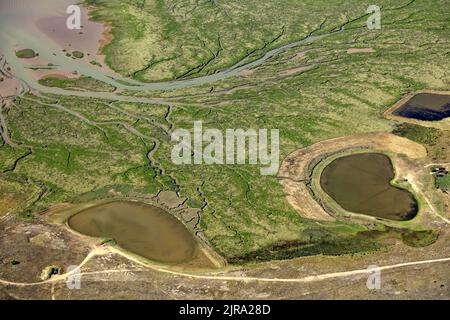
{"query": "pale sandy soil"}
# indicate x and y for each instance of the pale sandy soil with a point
(300, 55)
(105, 39)
(247, 72)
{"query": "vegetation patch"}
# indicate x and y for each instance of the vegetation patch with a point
(109, 241)
(292, 249)
(154, 40)
(26, 54)
(95, 63)
(435, 140)
(77, 54)
(88, 146)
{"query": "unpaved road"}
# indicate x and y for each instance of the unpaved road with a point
(312, 278)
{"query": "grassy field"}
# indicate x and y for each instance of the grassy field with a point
(84, 146)
(77, 54)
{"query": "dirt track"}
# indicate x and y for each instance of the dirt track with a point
(317, 277)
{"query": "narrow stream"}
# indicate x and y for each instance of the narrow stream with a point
(18, 27)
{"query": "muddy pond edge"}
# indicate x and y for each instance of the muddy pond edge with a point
(335, 210)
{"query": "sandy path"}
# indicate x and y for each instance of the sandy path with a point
(443, 164)
(313, 278)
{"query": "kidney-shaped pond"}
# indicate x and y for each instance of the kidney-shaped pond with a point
(360, 183)
(139, 228)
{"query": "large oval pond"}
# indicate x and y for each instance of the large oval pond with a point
(140, 228)
(360, 183)
(426, 107)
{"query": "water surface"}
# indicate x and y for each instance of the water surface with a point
(360, 183)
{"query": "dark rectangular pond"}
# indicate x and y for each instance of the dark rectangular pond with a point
(425, 107)
(143, 229)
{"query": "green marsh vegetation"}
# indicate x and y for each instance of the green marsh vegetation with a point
(86, 83)
(77, 54)
(244, 215)
(443, 182)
